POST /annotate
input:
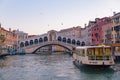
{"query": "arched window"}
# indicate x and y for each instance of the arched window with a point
(64, 39)
(73, 41)
(78, 43)
(83, 43)
(59, 38)
(45, 39)
(31, 42)
(36, 41)
(21, 44)
(40, 40)
(69, 40)
(26, 43)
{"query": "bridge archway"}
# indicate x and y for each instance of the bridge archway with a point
(26, 43)
(45, 39)
(22, 44)
(64, 39)
(59, 38)
(69, 40)
(52, 44)
(31, 42)
(73, 42)
(40, 40)
(36, 41)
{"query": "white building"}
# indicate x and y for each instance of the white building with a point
(73, 32)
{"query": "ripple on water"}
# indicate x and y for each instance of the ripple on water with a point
(49, 67)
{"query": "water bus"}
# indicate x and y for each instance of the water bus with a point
(93, 56)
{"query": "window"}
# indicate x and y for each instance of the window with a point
(117, 50)
(80, 52)
(107, 51)
(98, 52)
(116, 20)
(90, 52)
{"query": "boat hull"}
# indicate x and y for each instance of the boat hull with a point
(76, 63)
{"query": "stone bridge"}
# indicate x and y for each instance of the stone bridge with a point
(47, 41)
(35, 47)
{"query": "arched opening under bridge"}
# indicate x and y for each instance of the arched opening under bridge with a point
(52, 48)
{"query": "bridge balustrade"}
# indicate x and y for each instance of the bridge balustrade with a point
(45, 39)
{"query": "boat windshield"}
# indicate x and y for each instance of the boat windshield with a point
(99, 53)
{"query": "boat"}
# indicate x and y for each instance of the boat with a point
(97, 56)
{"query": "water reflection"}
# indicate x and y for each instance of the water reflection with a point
(93, 70)
(2, 62)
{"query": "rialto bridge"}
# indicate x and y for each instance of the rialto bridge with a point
(51, 41)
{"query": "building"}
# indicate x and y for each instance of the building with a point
(116, 28)
(97, 32)
(20, 36)
(107, 30)
(73, 32)
(88, 33)
(10, 38)
(84, 34)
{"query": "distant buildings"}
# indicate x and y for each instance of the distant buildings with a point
(104, 30)
(10, 38)
(21, 34)
(73, 32)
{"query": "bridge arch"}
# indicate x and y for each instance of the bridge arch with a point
(59, 38)
(31, 42)
(36, 41)
(45, 38)
(73, 42)
(26, 43)
(22, 44)
(83, 43)
(78, 43)
(64, 39)
(69, 40)
(50, 44)
(40, 40)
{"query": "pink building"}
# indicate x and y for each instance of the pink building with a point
(100, 30)
(97, 31)
(107, 30)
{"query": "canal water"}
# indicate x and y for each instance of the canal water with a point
(51, 67)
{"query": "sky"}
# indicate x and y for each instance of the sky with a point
(40, 16)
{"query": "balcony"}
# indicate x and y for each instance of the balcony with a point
(108, 36)
(117, 28)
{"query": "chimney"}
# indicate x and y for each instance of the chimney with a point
(85, 25)
(114, 13)
(9, 29)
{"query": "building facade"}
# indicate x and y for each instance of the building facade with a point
(107, 30)
(73, 32)
(116, 28)
(10, 39)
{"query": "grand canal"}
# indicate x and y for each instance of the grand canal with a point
(50, 67)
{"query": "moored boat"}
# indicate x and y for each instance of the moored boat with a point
(95, 56)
